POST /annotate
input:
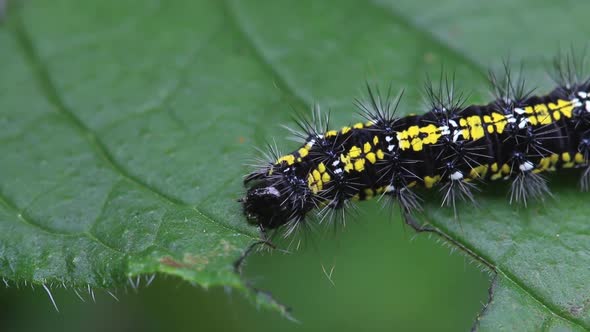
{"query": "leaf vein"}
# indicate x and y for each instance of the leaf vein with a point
(93, 140)
(280, 79)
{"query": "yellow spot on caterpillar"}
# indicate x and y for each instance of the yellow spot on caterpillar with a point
(412, 184)
(355, 197)
(479, 171)
(506, 169)
(556, 115)
(402, 135)
(375, 140)
(432, 132)
(564, 106)
(316, 175)
(358, 126)
(359, 165)
(354, 152)
(568, 165)
(367, 147)
(380, 154)
(348, 167)
(465, 133)
(417, 144)
(499, 121)
(474, 123)
(496, 176)
(490, 129)
(303, 152)
(321, 167)
(533, 120)
(326, 177)
(413, 131)
(331, 133)
(566, 157)
(579, 158)
(289, 159)
(369, 123)
(404, 144)
(380, 190)
(430, 181)
(344, 130)
(544, 163)
(368, 193)
(543, 114)
(494, 167)
(371, 157)
(554, 159)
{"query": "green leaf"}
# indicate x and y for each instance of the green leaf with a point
(122, 143)
(125, 125)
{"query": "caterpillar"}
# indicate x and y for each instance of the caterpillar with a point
(518, 136)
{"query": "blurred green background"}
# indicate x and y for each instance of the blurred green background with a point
(386, 279)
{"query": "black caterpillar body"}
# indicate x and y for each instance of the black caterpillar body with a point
(518, 136)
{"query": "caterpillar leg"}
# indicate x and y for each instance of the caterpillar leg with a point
(421, 227)
(239, 263)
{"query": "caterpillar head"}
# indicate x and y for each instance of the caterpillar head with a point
(275, 200)
(263, 206)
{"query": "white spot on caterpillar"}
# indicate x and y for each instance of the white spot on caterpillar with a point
(338, 171)
(519, 110)
(389, 188)
(510, 118)
(456, 176)
(526, 166)
(336, 162)
(576, 102)
(390, 148)
(444, 130)
(523, 123)
(583, 94)
(453, 123)
(587, 106)
(388, 138)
